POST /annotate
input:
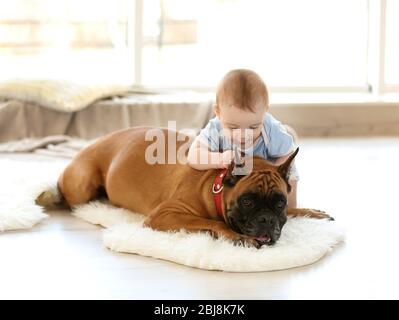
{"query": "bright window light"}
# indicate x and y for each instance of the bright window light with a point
(68, 39)
(392, 43)
(289, 42)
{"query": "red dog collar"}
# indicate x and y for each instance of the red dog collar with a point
(217, 188)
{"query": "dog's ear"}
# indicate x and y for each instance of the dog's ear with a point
(284, 169)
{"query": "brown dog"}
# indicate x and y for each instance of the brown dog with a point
(175, 196)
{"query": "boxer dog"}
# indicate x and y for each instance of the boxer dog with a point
(248, 209)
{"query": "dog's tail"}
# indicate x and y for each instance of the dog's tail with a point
(51, 197)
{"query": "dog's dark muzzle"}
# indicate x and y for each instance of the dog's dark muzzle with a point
(265, 228)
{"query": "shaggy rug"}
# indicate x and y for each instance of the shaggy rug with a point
(303, 240)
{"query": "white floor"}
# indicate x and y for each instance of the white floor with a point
(354, 180)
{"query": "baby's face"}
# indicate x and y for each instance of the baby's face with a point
(242, 127)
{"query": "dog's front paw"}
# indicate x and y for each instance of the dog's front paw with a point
(237, 238)
(248, 242)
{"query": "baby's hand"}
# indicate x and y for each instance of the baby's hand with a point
(226, 158)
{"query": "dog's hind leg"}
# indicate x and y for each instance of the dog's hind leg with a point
(51, 198)
(79, 183)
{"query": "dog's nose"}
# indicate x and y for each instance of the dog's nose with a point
(262, 219)
(265, 220)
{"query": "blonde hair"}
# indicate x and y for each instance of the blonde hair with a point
(242, 88)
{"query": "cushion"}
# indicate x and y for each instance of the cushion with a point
(60, 95)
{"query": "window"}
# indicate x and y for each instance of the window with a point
(392, 43)
(296, 46)
(289, 42)
(64, 39)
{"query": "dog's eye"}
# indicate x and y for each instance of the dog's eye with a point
(247, 203)
(280, 204)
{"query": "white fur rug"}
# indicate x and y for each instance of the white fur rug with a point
(303, 240)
